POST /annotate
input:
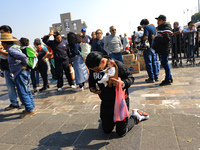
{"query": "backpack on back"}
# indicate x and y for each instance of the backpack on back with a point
(32, 57)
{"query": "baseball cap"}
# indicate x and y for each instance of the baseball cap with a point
(163, 17)
(83, 30)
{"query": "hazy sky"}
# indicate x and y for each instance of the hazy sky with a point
(32, 18)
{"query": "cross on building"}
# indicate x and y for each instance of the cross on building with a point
(68, 25)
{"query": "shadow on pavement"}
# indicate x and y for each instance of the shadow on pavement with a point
(81, 139)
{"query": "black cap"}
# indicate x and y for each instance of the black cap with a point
(163, 17)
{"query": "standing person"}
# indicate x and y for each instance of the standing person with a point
(93, 34)
(10, 83)
(138, 36)
(85, 37)
(125, 42)
(81, 73)
(52, 64)
(60, 56)
(133, 40)
(191, 38)
(176, 32)
(97, 63)
(42, 64)
(162, 46)
(113, 45)
(18, 66)
(150, 57)
(98, 43)
(25, 45)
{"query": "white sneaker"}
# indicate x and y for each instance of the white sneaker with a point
(73, 86)
(59, 89)
(140, 115)
(79, 89)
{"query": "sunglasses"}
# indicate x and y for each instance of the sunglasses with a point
(113, 30)
(98, 33)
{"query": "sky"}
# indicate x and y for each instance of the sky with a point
(32, 18)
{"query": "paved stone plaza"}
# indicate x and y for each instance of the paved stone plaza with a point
(67, 120)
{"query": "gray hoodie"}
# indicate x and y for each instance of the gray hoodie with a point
(16, 59)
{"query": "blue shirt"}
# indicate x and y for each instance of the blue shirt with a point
(98, 45)
(150, 30)
(16, 59)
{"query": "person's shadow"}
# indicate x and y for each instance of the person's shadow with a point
(80, 139)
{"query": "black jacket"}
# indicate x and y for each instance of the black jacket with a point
(162, 43)
(58, 48)
(108, 93)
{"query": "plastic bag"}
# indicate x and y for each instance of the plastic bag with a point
(120, 110)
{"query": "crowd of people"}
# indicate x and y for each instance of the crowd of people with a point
(91, 58)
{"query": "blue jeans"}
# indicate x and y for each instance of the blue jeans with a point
(22, 81)
(117, 56)
(152, 64)
(11, 89)
(165, 64)
(189, 49)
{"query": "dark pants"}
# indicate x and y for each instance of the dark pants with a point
(60, 67)
(33, 79)
(122, 127)
(52, 66)
(43, 72)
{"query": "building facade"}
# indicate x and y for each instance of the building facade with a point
(68, 25)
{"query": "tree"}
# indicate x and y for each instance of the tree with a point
(196, 17)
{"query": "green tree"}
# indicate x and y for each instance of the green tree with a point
(196, 17)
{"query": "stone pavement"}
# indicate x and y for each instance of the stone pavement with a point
(67, 120)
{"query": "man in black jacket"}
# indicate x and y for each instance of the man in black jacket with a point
(97, 63)
(59, 47)
(162, 46)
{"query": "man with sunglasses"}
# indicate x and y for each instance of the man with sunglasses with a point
(113, 45)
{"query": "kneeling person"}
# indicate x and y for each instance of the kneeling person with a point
(97, 63)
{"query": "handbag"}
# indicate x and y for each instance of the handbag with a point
(71, 71)
(144, 45)
(120, 109)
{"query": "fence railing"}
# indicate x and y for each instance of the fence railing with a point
(185, 46)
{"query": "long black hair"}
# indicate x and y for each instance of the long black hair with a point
(72, 38)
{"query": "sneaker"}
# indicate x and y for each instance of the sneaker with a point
(59, 89)
(149, 80)
(79, 89)
(26, 114)
(140, 115)
(21, 107)
(42, 89)
(166, 82)
(2, 74)
(10, 107)
(73, 86)
(53, 80)
(35, 92)
(156, 79)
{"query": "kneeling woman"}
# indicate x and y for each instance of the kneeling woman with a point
(42, 64)
(81, 73)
